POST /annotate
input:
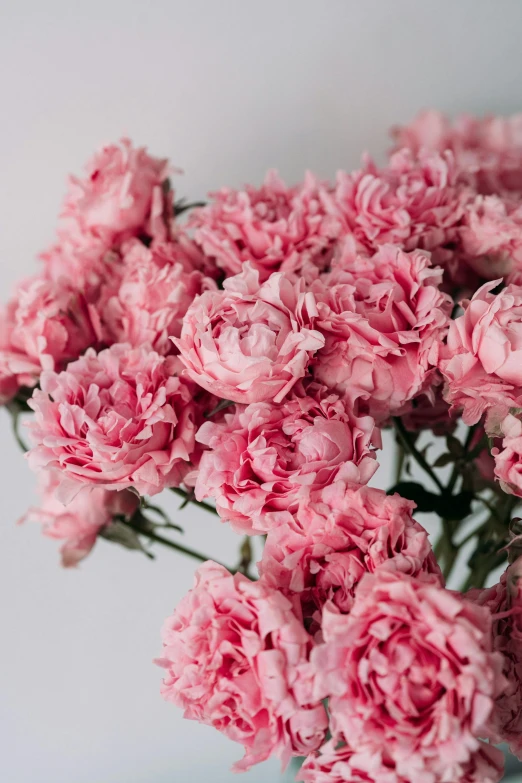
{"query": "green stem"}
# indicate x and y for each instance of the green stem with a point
(185, 550)
(14, 410)
(191, 499)
(408, 444)
(455, 472)
(401, 455)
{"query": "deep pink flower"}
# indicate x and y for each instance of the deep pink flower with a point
(44, 326)
(505, 600)
(233, 653)
(430, 411)
(381, 317)
(116, 419)
(413, 202)
(121, 196)
(487, 150)
(273, 227)
(80, 522)
(410, 671)
(263, 457)
(144, 300)
(482, 362)
(338, 763)
(250, 342)
(338, 535)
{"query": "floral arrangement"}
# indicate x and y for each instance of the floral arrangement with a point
(246, 354)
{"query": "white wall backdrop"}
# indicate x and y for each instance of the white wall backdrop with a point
(226, 89)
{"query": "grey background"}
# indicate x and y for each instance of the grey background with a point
(226, 89)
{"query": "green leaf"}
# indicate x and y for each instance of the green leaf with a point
(443, 460)
(454, 507)
(454, 445)
(120, 533)
(426, 501)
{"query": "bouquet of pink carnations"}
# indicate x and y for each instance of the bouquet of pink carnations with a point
(246, 354)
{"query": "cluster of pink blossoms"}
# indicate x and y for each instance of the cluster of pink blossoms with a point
(252, 355)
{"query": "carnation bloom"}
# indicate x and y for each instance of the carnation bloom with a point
(80, 522)
(338, 763)
(44, 326)
(414, 202)
(82, 263)
(504, 599)
(508, 456)
(487, 150)
(147, 295)
(381, 317)
(338, 535)
(482, 361)
(491, 237)
(250, 342)
(121, 196)
(263, 458)
(273, 227)
(116, 419)
(233, 653)
(410, 671)
(430, 411)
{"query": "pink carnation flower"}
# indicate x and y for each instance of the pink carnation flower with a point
(233, 653)
(273, 227)
(430, 411)
(414, 202)
(487, 150)
(508, 456)
(250, 342)
(80, 522)
(340, 764)
(44, 326)
(82, 263)
(411, 671)
(338, 535)
(121, 196)
(504, 599)
(482, 361)
(381, 317)
(116, 419)
(491, 237)
(263, 458)
(147, 296)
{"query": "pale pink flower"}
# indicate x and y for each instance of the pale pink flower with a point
(381, 316)
(338, 763)
(149, 292)
(504, 599)
(44, 326)
(411, 671)
(116, 419)
(83, 263)
(250, 342)
(335, 537)
(491, 237)
(263, 458)
(414, 202)
(273, 227)
(233, 653)
(80, 522)
(121, 196)
(487, 150)
(508, 455)
(482, 361)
